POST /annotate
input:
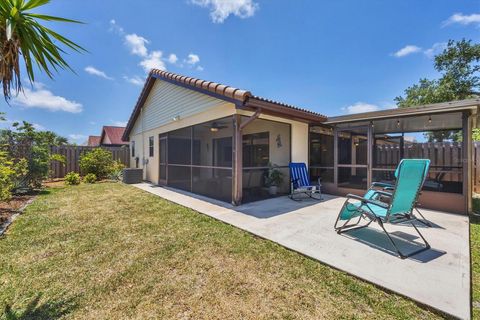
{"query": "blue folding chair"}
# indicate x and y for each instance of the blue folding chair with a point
(300, 182)
(410, 176)
(375, 194)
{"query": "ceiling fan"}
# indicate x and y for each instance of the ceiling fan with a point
(216, 126)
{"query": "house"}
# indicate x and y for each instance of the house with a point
(216, 140)
(112, 136)
(93, 141)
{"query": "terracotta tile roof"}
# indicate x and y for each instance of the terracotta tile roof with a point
(93, 141)
(241, 98)
(220, 89)
(114, 134)
(289, 106)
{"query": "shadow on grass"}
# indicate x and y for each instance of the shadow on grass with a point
(44, 310)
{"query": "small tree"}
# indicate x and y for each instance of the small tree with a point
(25, 142)
(459, 68)
(99, 162)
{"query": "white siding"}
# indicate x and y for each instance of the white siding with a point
(166, 101)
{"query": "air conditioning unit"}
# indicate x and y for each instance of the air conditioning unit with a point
(132, 175)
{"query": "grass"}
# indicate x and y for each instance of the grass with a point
(112, 251)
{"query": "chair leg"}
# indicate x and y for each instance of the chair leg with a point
(354, 226)
(348, 227)
(424, 220)
(400, 254)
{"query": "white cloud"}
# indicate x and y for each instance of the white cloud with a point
(99, 73)
(222, 9)
(153, 61)
(92, 123)
(360, 107)
(40, 97)
(77, 138)
(114, 27)
(119, 123)
(136, 80)
(192, 59)
(463, 19)
(137, 44)
(435, 49)
(172, 58)
(405, 51)
(150, 59)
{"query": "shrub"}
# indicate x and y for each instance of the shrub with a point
(116, 173)
(10, 171)
(72, 178)
(31, 149)
(99, 162)
(90, 178)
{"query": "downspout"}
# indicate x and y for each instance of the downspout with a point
(238, 155)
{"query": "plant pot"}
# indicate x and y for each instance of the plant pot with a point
(272, 190)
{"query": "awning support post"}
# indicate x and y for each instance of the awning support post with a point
(238, 155)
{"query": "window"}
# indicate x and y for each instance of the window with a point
(150, 146)
(133, 148)
(256, 150)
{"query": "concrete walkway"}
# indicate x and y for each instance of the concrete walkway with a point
(439, 277)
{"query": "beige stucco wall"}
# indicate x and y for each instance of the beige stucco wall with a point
(299, 137)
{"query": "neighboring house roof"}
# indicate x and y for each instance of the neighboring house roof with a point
(241, 98)
(112, 135)
(93, 141)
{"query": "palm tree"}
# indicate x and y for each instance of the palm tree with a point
(21, 34)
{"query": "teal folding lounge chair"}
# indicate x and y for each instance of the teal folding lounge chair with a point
(300, 182)
(411, 174)
(374, 192)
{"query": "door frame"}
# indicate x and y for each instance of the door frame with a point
(368, 166)
(162, 137)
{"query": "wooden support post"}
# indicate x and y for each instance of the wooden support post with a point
(467, 161)
(238, 155)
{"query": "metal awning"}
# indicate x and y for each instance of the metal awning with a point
(471, 105)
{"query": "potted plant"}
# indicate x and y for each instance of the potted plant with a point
(273, 178)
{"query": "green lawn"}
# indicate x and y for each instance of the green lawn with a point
(112, 251)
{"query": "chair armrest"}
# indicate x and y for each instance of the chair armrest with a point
(384, 193)
(382, 185)
(363, 200)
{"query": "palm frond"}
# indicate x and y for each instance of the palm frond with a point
(21, 34)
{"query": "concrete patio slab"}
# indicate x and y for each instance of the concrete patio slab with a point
(439, 277)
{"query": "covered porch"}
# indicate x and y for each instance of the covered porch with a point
(351, 152)
(439, 277)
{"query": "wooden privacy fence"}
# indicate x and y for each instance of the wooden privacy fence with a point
(72, 156)
(446, 157)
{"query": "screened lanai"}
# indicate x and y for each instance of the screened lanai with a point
(350, 152)
(200, 158)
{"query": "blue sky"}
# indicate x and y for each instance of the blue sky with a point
(333, 57)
